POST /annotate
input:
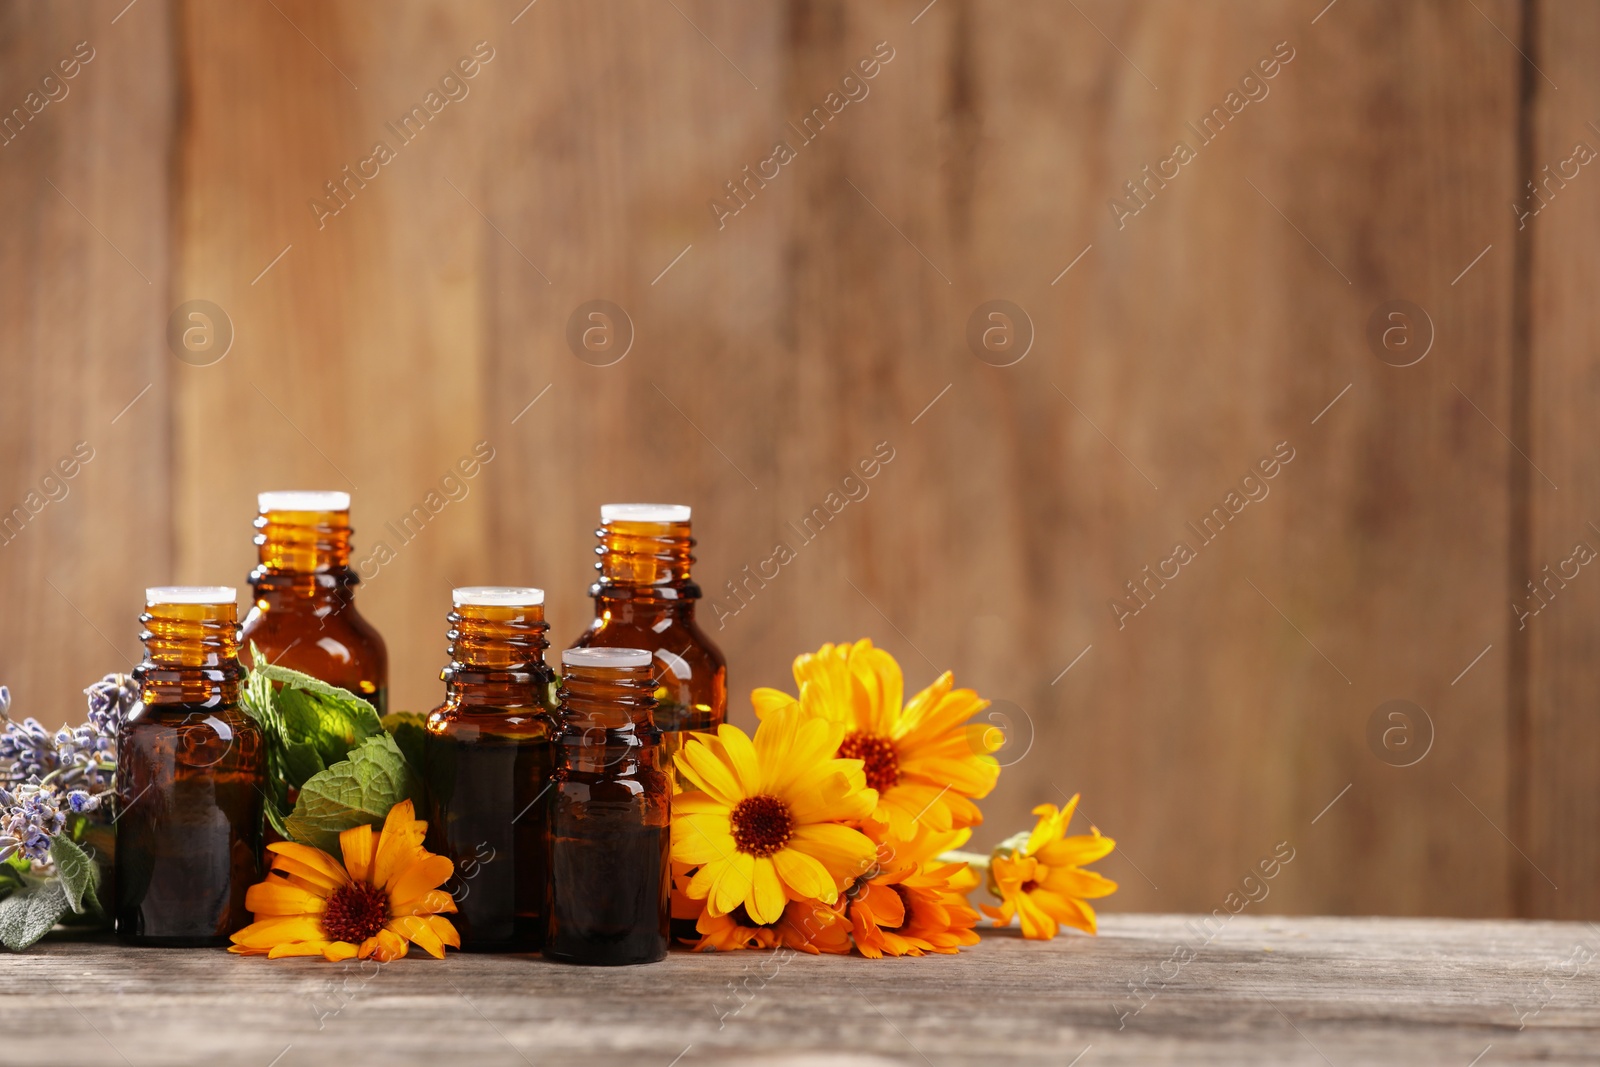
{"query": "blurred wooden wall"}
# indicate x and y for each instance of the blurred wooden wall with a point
(775, 348)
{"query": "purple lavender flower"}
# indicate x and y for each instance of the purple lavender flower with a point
(32, 814)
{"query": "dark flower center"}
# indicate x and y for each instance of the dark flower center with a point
(354, 913)
(761, 825)
(881, 765)
(1029, 886)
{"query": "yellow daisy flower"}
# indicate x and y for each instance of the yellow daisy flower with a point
(762, 821)
(384, 897)
(1040, 877)
(925, 759)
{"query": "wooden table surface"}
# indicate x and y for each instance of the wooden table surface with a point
(1261, 990)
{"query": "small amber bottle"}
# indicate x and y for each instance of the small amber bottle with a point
(609, 815)
(488, 760)
(191, 774)
(645, 599)
(304, 616)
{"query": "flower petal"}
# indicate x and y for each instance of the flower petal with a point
(420, 875)
(766, 898)
(399, 843)
(804, 875)
(338, 950)
(265, 933)
(699, 763)
(312, 864)
(767, 701)
(845, 853)
(700, 839)
(275, 897)
(741, 757)
(445, 930)
(298, 948)
(420, 932)
(733, 887)
(357, 844)
(433, 902)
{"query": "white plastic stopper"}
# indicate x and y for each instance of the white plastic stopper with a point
(303, 500)
(605, 657)
(190, 594)
(497, 596)
(644, 512)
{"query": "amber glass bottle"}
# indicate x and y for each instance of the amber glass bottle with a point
(304, 616)
(190, 777)
(488, 763)
(609, 813)
(645, 599)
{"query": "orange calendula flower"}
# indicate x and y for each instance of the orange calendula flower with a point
(805, 925)
(381, 899)
(914, 904)
(1039, 875)
(764, 819)
(925, 759)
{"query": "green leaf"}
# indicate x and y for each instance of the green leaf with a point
(76, 869)
(301, 760)
(410, 731)
(330, 720)
(351, 792)
(276, 818)
(30, 912)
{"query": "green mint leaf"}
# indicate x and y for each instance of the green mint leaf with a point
(351, 792)
(329, 719)
(410, 731)
(301, 760)
(77, 871)
(30, 912)
(296, 680)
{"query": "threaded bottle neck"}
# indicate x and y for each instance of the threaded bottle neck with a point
(302, 542)
(497, 638)
(645, 557)
(191, 651)
(596, 701)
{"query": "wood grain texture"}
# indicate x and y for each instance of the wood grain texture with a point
(1560, 823)
(1261, 990)
(779, 338)
(83, 310)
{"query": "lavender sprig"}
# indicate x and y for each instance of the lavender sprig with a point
(32, 814)
(45, 777)
(27, 750)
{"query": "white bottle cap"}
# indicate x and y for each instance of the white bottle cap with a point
(303, 500)
(497, 596)
(191, 594)
(605, 657)
(644, 512)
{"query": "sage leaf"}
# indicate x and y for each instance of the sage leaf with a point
(31, 912)
(77, 871)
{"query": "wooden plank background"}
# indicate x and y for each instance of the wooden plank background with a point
(774, 348)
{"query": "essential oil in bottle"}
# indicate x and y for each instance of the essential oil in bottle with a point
(488, 763)
(609, 814)
(645, 599)
(304, 616)
(191, 773)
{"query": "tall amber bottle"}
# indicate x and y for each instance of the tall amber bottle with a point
(609, 813)
(645, 599)
(190, 777)
(488, 762)
(304, 616)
